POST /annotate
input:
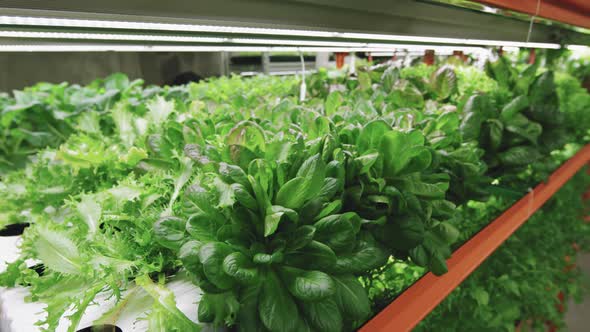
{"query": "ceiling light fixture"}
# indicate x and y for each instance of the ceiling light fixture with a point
(81, 23)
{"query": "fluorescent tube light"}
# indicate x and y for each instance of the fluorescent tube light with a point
(296, 42)
(223, 48)
(175, 48)
(199, 39)
(170, 38)
(108, 36)
(81, 23)
(578, 48)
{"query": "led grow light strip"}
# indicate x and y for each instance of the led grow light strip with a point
(23, 47)
(170, 38)
(578, 48)
(108, 36)
(110, 24)
(197, 39)
(178, 48)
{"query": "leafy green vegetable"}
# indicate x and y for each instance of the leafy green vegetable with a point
(288, 215)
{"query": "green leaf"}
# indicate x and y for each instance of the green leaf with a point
(338, 231)
(514, 107)
(246, 134)
(443, 208)
(495, 133)
(226, 194)
(366, 162)
(308, 285)
(313, 170)
(293, 194)
(218, 309)
(164, 312)
(315, 255)
(477, 108)
(232, 173)
(404, 232)
(244, 197)
(389, 77)
(248, 315)
(542, 88)
(198, 199)
(351, 298)
(447, 232)
(262, 172)
(323, 315)
(399, 149)
(371, 135)
(240, 267)
(519, 156)
(277, 309)
(57, 251)
(212, 256)
(260, 195)
(405, 94)
(90, 211)
(423, 189)
(189, 256)
(365, 257)
(301, 237)
(444, 82)
(333, 102)
(194, 152)
(419, 255)
(330, 208)
(364, 81)
(481, 296)
(471, 126)
(525, 128)
(170, 232)
(202, 227)
(330, 188)
(274, 215)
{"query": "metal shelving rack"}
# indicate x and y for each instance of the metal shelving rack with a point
(339, 20)
(312, 25)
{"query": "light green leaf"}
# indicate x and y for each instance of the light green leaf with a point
(159, 110)
(90, 211)
(57, 251)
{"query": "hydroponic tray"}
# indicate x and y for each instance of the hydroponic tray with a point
(401, 315)
(19, 315)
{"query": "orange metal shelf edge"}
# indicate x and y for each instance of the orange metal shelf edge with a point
(569, 12)
(406, 311)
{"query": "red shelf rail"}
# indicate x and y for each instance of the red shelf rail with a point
(406, 311)
(574, 12)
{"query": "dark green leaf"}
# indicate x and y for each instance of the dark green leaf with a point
(351, 298)
(308, 285)
(240, 267)
(277, 309)
(170, 232)
(323, 315)
(315, 255)
(212, 256)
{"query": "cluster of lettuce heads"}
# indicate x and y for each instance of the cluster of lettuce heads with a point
(282, 212)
